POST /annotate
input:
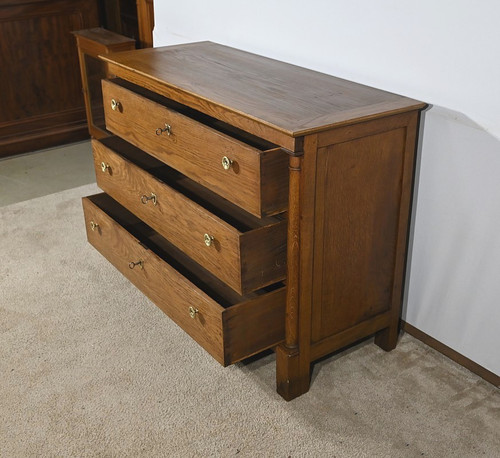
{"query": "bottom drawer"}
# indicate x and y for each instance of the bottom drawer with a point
(229, 326)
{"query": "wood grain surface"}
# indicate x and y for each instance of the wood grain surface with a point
(256, 323)
(246, 259)
(41, 101)
(91, 43)
(357, 206)
(194, 149)
(344, 189)
(255, 93)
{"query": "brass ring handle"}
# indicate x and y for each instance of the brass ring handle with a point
(93, 225)
(139, 263)
(115, 105)
(145, 199)
(105, 167)
(167, 129)
(226, 163)
(209, 239)
(192, 312)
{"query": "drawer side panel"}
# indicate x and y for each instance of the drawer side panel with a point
(254, 326)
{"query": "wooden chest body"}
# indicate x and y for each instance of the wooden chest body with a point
(296, 187)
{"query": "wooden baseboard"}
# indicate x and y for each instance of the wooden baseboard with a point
(452, 354)
(44, 138)
(42, 131)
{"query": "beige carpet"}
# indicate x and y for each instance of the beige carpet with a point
(89, 367)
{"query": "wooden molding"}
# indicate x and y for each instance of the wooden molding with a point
(452, 354)
(145, 17)
(48, 137)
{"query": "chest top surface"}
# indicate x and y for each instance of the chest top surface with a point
(254, 91)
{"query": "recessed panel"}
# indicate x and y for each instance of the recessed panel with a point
(357, 214)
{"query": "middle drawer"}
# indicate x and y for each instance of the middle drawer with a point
(244, 251)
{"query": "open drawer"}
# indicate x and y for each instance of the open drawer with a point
(229, 326)
(242, 250)
(244, 169)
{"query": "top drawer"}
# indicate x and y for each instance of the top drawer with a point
(245, 170)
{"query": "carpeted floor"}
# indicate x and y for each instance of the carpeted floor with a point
(89, 367)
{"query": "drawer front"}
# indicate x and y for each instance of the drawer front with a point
(228, 334)
(197, 151)
(231, 255)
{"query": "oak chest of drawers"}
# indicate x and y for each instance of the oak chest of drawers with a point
(258, 204)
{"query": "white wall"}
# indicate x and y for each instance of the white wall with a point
(446, 53)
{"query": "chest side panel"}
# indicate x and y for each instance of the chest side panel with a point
(357, 208)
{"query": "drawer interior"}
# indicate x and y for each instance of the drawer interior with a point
(217, 205)
(209, 121)
(196, 274)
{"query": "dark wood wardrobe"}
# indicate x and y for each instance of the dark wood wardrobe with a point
(41, 101)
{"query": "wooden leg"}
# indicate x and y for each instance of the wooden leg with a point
(292, 378)
(387, 338)
(292, 373)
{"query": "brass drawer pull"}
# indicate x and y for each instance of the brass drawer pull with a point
(209, 239)
(167, 129)
(94, 226)
(139, 263)
(115, 105)
(105, 167)
(192, 312)
(145, 199)
(226, 163)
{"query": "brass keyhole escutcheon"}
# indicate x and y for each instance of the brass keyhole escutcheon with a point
(105, 167)
(192, 312)
(209, 239)
(94, 226)
(139, 263)
(226, 163)
(145, 199)
(115, 105)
